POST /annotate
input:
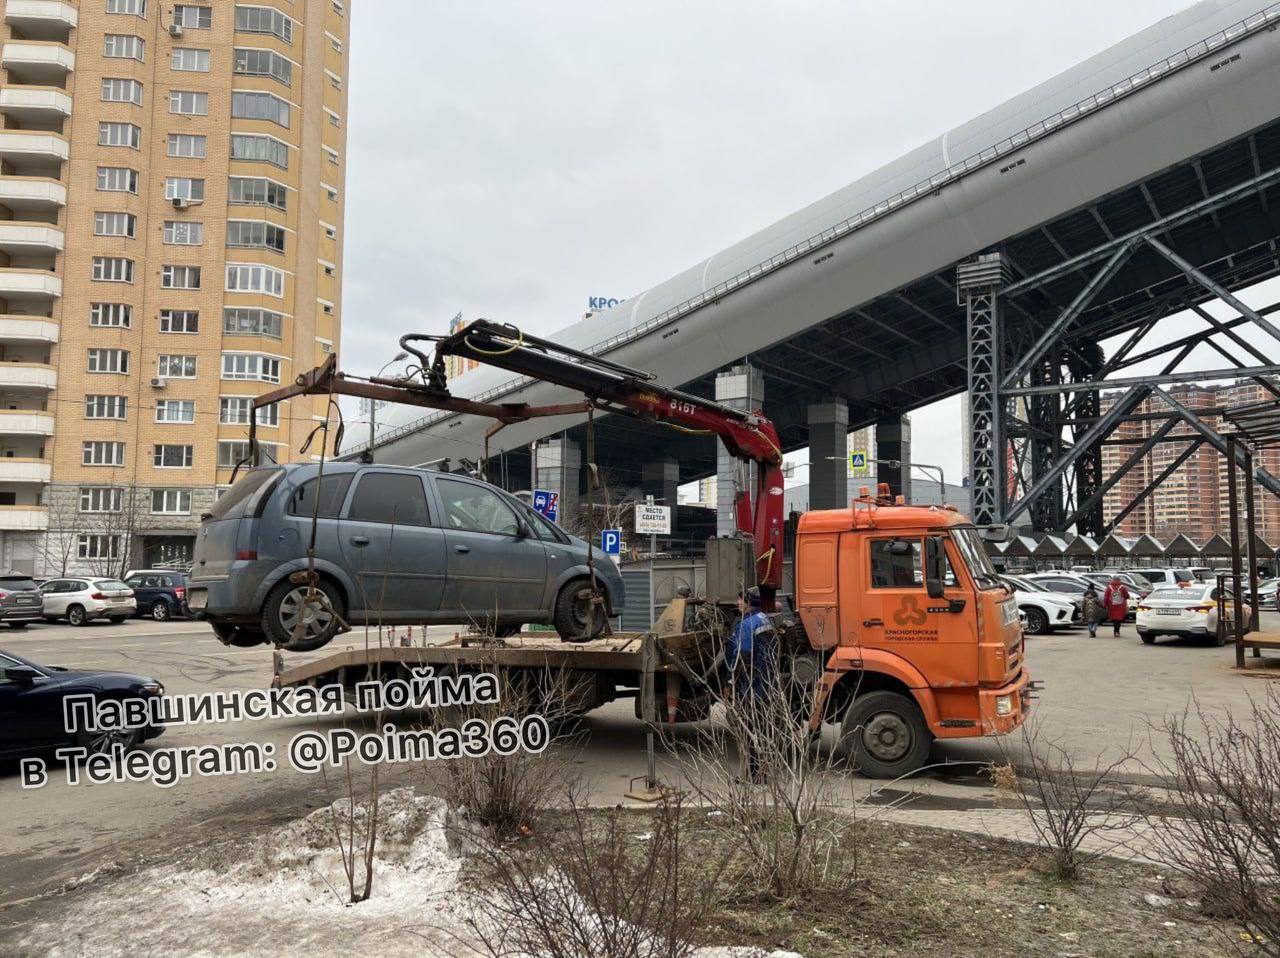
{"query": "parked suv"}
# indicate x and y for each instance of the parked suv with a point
(160, 593)
(393, 545)
(20, 600)
(80, 599)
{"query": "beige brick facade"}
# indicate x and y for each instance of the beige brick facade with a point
(186, 355)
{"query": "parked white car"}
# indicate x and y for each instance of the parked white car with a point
(1159, 577)
(1042, 610)
(81, 600)
(1184, 611)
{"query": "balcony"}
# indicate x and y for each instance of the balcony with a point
(18, 237)
(14, 469)
(24, 518)
(32, 192)
(33, 152)
(34, 61)
(35, 104)
(41, 19)
(28, 376)
(18, 285)
(24, 422)
(27, 329)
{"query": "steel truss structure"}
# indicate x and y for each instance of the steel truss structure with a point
(1037, 425)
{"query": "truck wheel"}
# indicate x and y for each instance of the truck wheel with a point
(577, 617)
(286, 603)
(885, 735)
(238, 636)
(1037, 621)
(76, 615)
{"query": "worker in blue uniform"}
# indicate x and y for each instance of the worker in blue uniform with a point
(751, 662)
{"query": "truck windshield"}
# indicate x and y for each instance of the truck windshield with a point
(975, 557)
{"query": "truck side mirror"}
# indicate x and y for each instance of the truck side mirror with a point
(935, 566)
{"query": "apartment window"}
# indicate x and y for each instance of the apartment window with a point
(99, 453)
(171, 502)
(257, 191)
(233, 451)
(330, 231)
(330, 192)
(335, 121)
(250, 105)
(235, 411)
(189, 145)
(190, 60)
(329, 268)
(335, 81)
(253, 278)
(188, 102)
(180, 277)
(267, 149)
(184, 188)
(112, 315)
(179, 321)
(255, 234)
(101, 498)
(176, 410)
(334, 42)
(94, 545)
(167, 455)
(122, 45)
(98, 406)
(264, 20)
(183, 234)
(338, 7)
(115, 224)
(193, 17)
(170, 366)
(137, 7)
(250, 366)
(117, 179)
(120, 134)
(331, 155)
(121, 91)
(113, 269)
(262, 63)
(108, 360)
(240, 321)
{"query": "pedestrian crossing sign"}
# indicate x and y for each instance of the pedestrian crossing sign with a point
(858, 463)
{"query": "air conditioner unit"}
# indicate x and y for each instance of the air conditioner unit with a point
(180, 204)
(157, 382)
(175, 29)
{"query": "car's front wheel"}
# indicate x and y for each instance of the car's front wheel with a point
(296, 619)
(580, 612)
(18, 625)
(76, 615)
(103, 742)
(1037, 621)
(160, 611)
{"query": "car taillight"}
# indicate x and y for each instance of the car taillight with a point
(97, 595)
(1199, 608)
(247, 554)
(1144, 608)
(4, 595)
(180, 592)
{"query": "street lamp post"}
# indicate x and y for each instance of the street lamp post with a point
(373, 403)
(897, 464)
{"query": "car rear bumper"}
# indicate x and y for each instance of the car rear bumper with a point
(103, 610)
(229, 598)
(19, 613)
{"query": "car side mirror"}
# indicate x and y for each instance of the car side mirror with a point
(935, 571)
(21, 674)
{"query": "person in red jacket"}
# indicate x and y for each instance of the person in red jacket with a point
(1116, 601)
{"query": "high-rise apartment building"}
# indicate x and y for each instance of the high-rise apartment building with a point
(171, 211)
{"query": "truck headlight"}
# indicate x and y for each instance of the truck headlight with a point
(1004, 705)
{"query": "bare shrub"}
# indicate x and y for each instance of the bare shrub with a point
(597, 888)
(1079, 813)
(1223, 832)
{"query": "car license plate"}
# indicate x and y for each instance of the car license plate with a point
(1170, 611)
(27, 600)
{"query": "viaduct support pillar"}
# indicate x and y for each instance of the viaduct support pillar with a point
(742, 387)
(661, 479)
(893, 444)
(978, 283)
(828, 453)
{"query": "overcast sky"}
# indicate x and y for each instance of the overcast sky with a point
(509, 160)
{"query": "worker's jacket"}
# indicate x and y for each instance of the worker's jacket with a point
(1116, 601)
(752, 653)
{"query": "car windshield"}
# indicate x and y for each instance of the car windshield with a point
(109, 585)
(975, 557)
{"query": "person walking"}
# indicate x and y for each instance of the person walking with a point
(1116, 601)
(750, 660)
(1092, 611)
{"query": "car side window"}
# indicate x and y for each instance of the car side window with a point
(333, 492)
(166, 582)
(390, 497)
(895, 564)
(475, 508)
(134, 581)
(541, 527)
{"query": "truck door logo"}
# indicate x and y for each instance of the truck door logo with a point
(909, 613)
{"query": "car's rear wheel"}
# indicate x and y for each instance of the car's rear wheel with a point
(298, 622)
(1148, 638)
(118, 619)
(579, 612)
(76, 615)
(18, 625)
(886, 735)
(1037, 621)
(160, 611)
(238, 636)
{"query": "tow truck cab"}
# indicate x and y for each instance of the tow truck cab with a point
(903, 599)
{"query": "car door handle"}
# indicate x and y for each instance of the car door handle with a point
(868, 623)
(462, 550)
(359, 540)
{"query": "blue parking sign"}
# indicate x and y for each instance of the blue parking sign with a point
(611, 541)
(547, 504)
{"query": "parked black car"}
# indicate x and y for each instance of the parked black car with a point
(20, 600)
(161, 593)
(31, 705)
